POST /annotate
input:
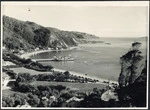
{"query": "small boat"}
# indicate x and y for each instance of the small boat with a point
(63, 59)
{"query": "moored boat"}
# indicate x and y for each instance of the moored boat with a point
(62, 59)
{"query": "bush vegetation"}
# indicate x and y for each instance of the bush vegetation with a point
(40, 96)
(28, 63)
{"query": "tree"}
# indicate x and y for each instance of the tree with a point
(4, 104)
(66, 96)
(95, 90)
(12, 74)
(67, 74)
(25, 77)
(44, 93)
(56, 93)
(42, 36)
(10, 101)
(33, 100)
(43, 103)
(92, 100)
(60, 88)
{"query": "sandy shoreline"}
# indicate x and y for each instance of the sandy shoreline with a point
(29, 54)
(101, 81)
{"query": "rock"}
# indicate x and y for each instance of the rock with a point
(136, 45)
(133, 78)
(132, 64)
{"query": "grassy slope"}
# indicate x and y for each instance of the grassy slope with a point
(72, 86)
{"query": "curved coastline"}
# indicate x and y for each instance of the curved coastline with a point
(101, 80)
(29, 54)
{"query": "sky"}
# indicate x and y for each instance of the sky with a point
(101, 20)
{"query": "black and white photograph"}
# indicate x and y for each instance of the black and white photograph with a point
(74, 55)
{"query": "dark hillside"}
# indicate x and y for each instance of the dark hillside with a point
(29, 35)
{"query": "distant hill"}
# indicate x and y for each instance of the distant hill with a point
(29, 35)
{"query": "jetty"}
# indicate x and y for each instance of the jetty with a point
(46, 60)
(55, 59)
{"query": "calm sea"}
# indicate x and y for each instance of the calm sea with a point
(99, 60)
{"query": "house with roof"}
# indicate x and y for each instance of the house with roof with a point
(72, 102)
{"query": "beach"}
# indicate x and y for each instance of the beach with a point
(28, 54)
(101, 80)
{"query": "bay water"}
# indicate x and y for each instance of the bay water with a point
(99, 60)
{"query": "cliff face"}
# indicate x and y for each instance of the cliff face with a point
(132, 65)
(29, 35)
(132, 79)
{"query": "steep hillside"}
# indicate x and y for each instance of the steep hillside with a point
(84, 35)
(133, 78)
(29, 35)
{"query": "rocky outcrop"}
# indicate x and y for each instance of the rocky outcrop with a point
(132, 65)
(133, 78)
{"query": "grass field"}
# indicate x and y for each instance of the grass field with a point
(8, 92)
(25, 70)
(72, 86)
